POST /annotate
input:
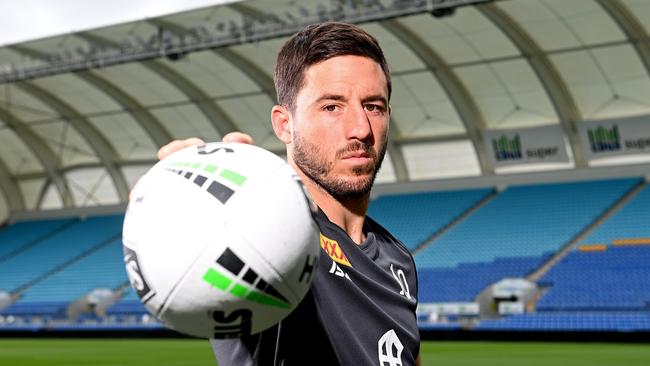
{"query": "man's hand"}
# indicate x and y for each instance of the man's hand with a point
(176, 145)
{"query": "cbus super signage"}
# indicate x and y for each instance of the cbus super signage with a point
(525, 146)
(613, 137)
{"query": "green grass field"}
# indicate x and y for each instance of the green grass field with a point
(127, 352)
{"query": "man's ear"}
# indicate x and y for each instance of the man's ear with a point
(280, 118)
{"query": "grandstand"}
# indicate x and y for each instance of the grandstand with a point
(462, 250)
(516, 171)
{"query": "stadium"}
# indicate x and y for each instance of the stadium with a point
(516, 171)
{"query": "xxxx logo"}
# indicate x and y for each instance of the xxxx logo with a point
(333, 249)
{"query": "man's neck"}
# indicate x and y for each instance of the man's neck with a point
(349, 215)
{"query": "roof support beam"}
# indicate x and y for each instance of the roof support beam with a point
(563, 101)
(248, 68)
(467, 110)
(42, 152)
(150, 124)
(11, 191)
(395, 151)
(214, 114)
(95, 139)
(631, 26)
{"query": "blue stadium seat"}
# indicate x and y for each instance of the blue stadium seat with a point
(573, 321)
(415, 217)
(615, 279)
(57, 249)
(524, 221)
(631, 221)
(511, 236)
(101, 268)
(15, 237)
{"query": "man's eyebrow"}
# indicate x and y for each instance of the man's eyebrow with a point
(371, 98)
(331, 97)
(375, 98)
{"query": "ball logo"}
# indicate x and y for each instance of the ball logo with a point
(135, 275)
(240, 280)
(202, 150)
(308, 269)
(236, 324)
(221, 183)
(390, 349)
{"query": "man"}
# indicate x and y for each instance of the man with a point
(333, 88)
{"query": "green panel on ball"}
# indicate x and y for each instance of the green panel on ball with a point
(217, 279)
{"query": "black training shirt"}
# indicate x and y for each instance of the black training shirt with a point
(359, 311)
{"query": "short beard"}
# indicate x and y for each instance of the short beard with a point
(314, 165)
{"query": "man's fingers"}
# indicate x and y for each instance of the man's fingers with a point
(193, 141)
(176, 145)
(238, 137)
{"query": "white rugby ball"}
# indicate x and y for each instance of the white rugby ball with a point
(220, 240)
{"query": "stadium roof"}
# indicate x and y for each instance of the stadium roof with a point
(82, 114)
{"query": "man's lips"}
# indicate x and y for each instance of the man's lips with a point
(357, 158)
(357, 155)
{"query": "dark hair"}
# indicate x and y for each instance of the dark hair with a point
(320, 42)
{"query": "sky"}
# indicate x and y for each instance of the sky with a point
(22, 20)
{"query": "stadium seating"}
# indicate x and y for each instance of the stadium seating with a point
(574, 321)
(631, 222)
(20, 236)
(129, 305)
(524, 221)
(467, 280)
(511, 236)
(45, 309)
(615, 279)
(413, 218)
(102, 268)
(56, 250)
(600, 288)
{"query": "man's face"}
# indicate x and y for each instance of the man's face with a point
(340, 125)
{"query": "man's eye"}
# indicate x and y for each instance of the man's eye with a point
(374, 108)
(330, 108)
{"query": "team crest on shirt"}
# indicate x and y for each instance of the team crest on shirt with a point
(333, 249)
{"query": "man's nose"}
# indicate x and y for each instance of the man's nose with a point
(358, 124)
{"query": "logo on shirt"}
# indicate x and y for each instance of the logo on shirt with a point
(333, 249)
(390, 349)
(337, 271)
(400, 277)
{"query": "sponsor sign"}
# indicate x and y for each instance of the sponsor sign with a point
(525, 146)
(614, 137)
(333, 249)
